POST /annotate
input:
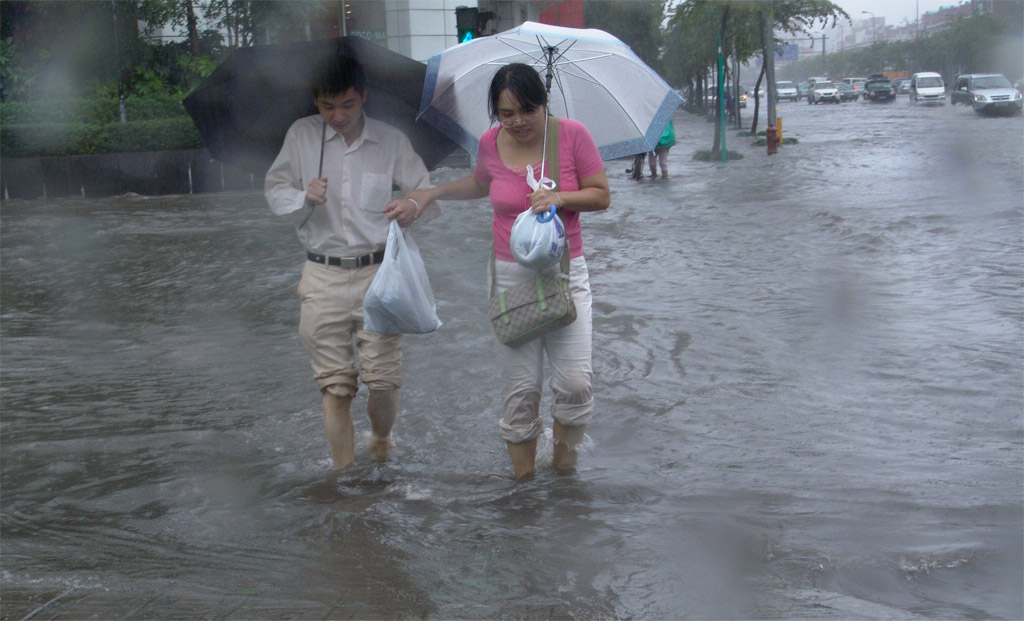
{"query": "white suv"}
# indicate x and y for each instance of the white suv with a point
(823, 91)
(786, 90)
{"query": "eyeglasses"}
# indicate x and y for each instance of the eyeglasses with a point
(521, 119)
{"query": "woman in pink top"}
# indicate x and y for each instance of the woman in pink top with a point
(518, 101)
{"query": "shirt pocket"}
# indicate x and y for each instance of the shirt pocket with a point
(376, 192)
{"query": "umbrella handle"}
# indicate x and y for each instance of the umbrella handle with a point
(546, 217)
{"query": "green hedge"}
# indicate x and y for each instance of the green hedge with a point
(48, 139)
(93, 110)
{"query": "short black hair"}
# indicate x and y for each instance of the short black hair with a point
(337, 74)
(523, 82)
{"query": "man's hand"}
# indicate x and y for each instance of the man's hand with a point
(316, 191)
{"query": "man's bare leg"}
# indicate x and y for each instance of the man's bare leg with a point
(382, 408)
(340, 432)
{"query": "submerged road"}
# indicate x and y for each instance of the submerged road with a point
(808, 375)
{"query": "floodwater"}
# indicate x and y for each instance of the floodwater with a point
(809, 385)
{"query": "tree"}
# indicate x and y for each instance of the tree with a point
(692, 36)
(981, 43)
(178, 13)
(637, 24)
(64, 48)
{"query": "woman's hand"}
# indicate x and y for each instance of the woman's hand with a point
(408, 208)
(541, 200)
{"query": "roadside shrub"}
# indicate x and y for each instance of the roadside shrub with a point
(155, 135)
(708, 156)
(94, 110)
(49, 139)
(73, 110)
(52, 139)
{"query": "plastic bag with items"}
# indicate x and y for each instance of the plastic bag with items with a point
(400, 299)
(537, 240)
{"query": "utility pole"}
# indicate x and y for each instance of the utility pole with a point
(769, 74)
(769, 66)
(721, 97)
(120, 76)
(823, 71)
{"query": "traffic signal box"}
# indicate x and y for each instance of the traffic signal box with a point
(470, 22)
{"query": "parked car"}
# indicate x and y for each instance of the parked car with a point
(927, 87)
(786, 90)
(846, 92)
(801, 90)
(857, 84)
(823, 91)
(987, 93)
(879, 88)
(901, 86)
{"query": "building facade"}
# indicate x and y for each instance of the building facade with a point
(421, 28)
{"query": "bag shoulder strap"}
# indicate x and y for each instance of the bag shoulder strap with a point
(553, 172)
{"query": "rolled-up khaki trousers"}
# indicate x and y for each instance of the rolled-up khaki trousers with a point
(569, 355)
(331, 328)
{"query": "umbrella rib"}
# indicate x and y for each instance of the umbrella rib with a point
(532, 54)
(565, 104)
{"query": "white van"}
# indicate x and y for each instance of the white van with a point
(927, 87)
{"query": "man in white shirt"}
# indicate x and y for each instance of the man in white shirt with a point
(339, 212)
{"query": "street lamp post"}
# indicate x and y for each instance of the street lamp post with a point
(872, 25)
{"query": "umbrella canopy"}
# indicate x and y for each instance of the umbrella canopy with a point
(592, 77)
(244, 108)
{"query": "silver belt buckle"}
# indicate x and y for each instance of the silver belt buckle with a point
(350, 262)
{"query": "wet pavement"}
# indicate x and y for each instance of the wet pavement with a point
(808, 371)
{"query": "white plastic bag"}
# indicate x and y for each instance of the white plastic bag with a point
(537, 240)
(400, 299)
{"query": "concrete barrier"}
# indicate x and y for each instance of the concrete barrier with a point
(148, 173)
(110, 174)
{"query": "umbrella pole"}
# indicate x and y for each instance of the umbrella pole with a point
(323, 139)
(550, 51)
(319, 173)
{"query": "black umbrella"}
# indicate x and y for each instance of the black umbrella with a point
(243, 110)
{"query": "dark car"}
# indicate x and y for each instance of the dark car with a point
(879, 88)
(709, 95)
(847, 92)
(987, 93)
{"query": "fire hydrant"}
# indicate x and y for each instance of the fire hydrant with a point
(773, 139)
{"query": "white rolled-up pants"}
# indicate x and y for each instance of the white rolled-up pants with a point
(568, 351)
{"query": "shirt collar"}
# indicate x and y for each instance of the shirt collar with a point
(370, 133)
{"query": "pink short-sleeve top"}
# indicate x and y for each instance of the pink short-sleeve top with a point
(578, 158)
